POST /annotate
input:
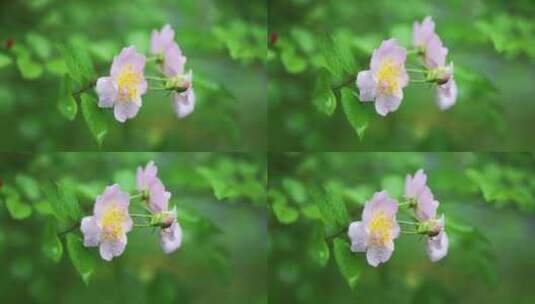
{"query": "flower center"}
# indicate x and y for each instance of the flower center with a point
(112, 223)
(388, 76)
(380, 228)
(128, 82)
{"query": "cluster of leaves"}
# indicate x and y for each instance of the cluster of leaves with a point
(47, 202)
(314, 197)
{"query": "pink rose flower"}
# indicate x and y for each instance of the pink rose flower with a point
(376, 232)
(123, 89)
(158, 203)
(426, 212)
(428, 42)
(108, 226)
(385, 80)
(162, 44)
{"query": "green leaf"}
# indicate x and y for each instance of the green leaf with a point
(80, 257)
(62, 200)
(51, 244)
(355, 112)
(56, 67)
(284, 213)
(67, 196)
(94, 117)
(79, 63)
(29, 69)
(333, 211)
(293, 63)
(348, 263)
(295, 189)
(67, 105)
(18, 210)
(28, 185)
(323, 96)
(4, 60)
(338, 57)
(39, 44)
(221, 186)
(317, 248)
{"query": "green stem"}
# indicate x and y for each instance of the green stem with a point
(85, 88)
(138, 195)
(156, 78)
(343, 84)
(418, 81)
(74, 227)
(145, 225)
(409, 232)
(416, 70)
(408, 222)
(140, 215)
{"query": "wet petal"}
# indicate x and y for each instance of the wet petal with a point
(112, 248)
(437, 246)
(385, 104)
(171, 238)
(126, 110)
(359, 236)
(367, 86)
(90, 231)
(379, 254)
(106, 91)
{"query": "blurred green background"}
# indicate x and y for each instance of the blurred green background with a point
(491, 45)
(488, 200)
(225, 42)
(220, 200)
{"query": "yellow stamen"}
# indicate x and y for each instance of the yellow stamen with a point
(380, 228)
(388, 76)
(128, 83)
(112, 222)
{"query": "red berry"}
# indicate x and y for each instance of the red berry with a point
(9, 43)
(273, 37)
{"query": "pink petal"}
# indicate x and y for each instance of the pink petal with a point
(435, 52)
(160, 40)
(106, 91)
(125, 110)
(426, 207)
(422, 32)
(128, 56)
(379, 202)
(379, 254)
(446, 95)
(388, 50)
(385, 104)
(112, 248)
(158, 197)
(437, 246)
(171, 238)
(367, 86)
(184, 103)
(359, 236)
(146, 177)
(90, 231)
(415, 185)
(174, 61)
